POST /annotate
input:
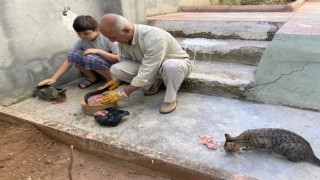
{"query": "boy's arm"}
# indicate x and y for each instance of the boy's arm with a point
(111, 57)
(64, 67)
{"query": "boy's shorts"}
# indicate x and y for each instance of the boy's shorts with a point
(89, 61)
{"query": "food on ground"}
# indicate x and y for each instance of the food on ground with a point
(209, 142)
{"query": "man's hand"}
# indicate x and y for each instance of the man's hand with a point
(113, 97)
(111, 85)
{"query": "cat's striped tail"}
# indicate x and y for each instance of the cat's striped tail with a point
(315, 160)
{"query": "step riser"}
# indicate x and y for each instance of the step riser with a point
(235, 51)
(219, 29)
(234, 56)
(233, 35)
(209, 43)
(219, 78)
(213, 88)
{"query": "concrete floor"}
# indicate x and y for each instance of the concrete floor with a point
(178, 133)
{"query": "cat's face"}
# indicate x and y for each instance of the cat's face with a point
(232, 145)
(59, 95)
(50, 93)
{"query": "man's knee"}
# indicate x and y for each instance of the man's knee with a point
(176, 69)
(171, 67)
(170, 64)
(115, 70)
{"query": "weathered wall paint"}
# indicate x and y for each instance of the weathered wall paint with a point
(157, 7)
(37, 35)
(288, 72)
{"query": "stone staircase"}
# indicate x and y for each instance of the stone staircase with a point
(225, 47)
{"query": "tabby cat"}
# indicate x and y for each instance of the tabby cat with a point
(49, 93)
(278, 141)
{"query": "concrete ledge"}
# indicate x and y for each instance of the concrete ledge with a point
(294, 6)
(235, 51)
(212, 29)
(291, 7)
(213, 88)
(218, 78)
(95, 143)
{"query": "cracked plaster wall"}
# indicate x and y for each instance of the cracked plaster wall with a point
(37, 35)
(288, 72)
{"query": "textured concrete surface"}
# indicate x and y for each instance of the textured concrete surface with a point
(219, 78)
(177, 134)
(225, 50)
(173, 139)
(178, 167)
(228, 25)
(156, 7)
(293, 6)
(288, 72)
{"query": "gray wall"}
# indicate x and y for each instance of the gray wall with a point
(35, 38)
(157, 7)
(134, 10)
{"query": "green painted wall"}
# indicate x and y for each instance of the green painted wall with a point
(289, 72)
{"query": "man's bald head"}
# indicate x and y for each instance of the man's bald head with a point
(108, 20)
(116, 28)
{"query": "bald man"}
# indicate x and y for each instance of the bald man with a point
(148, 56)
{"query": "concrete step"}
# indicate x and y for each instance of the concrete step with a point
(236, 51)
(289, 7)
(170, 143)
(219, 78)
(229, 25)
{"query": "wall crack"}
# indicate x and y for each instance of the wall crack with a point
(286, 74)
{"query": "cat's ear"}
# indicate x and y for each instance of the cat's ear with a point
(228, 137)
(64, 90)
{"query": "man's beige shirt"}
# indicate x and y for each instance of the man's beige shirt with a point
(150, 46)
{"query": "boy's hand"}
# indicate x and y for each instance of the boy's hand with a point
(113, 84)
(47, 81)
(91, 51)
(113, 97)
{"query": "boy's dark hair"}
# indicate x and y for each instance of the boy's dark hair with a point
(84, 23)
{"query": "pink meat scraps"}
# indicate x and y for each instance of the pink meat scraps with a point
(95, 100)
(209, 142)
(101, 113)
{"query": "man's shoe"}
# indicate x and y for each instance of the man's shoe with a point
(166, 107)
(154, 89)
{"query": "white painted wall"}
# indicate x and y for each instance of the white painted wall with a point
(35, 38)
